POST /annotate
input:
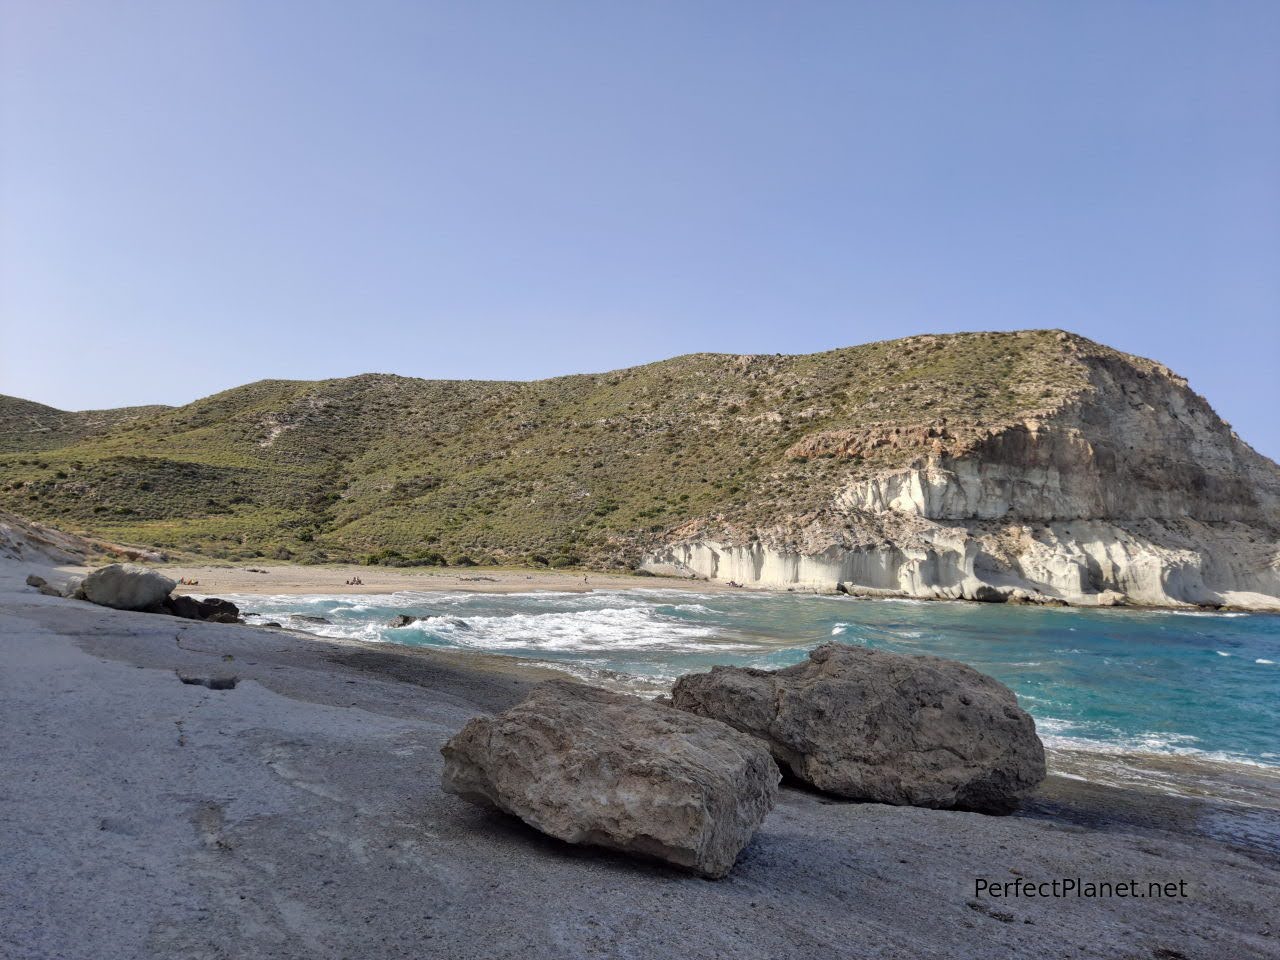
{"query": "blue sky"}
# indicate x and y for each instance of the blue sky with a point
(194, 195)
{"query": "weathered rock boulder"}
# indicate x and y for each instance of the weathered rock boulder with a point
(43, 586)
(212, 610)
(591, 766)
(74, 588)
(884, 727)
(126, 586)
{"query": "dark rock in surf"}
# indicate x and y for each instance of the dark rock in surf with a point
(212, 610)
(403, 620)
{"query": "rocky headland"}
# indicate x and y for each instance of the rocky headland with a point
(1128, 490)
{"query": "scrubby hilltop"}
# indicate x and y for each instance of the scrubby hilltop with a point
(934, 466)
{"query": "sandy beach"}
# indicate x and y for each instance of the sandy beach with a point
(299, 814)
(332, 579)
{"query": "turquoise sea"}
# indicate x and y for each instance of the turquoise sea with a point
(1174, 683)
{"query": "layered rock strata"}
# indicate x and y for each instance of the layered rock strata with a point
(1132, 491)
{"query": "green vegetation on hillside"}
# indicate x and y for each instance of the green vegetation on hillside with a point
(27, 426)
(580, 469)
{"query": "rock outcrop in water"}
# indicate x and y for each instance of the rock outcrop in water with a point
(883, 727)
(590, 766)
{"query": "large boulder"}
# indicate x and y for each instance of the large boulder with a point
(591, 766)
(884, 727)
(126, 586)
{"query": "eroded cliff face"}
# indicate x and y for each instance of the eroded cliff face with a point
(1131, 491)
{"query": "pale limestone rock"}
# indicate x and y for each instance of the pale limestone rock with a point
(1134, 488)
(126, 586)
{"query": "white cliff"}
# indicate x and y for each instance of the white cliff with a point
(1132, 491)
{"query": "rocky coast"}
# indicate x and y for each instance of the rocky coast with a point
(1028, 467)
(292, 808)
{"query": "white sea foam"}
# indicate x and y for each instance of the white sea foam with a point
(687, 608)
(1059, 734)
(606, 631)
(1261, 660)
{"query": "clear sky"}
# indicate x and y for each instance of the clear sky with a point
(197, 194)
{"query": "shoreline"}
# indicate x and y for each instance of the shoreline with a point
(296, 579)
(1188, 773)
(299, 814)
(269, 579)
(1235, 780)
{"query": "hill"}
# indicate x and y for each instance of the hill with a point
(709, 464)
(25, 425)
